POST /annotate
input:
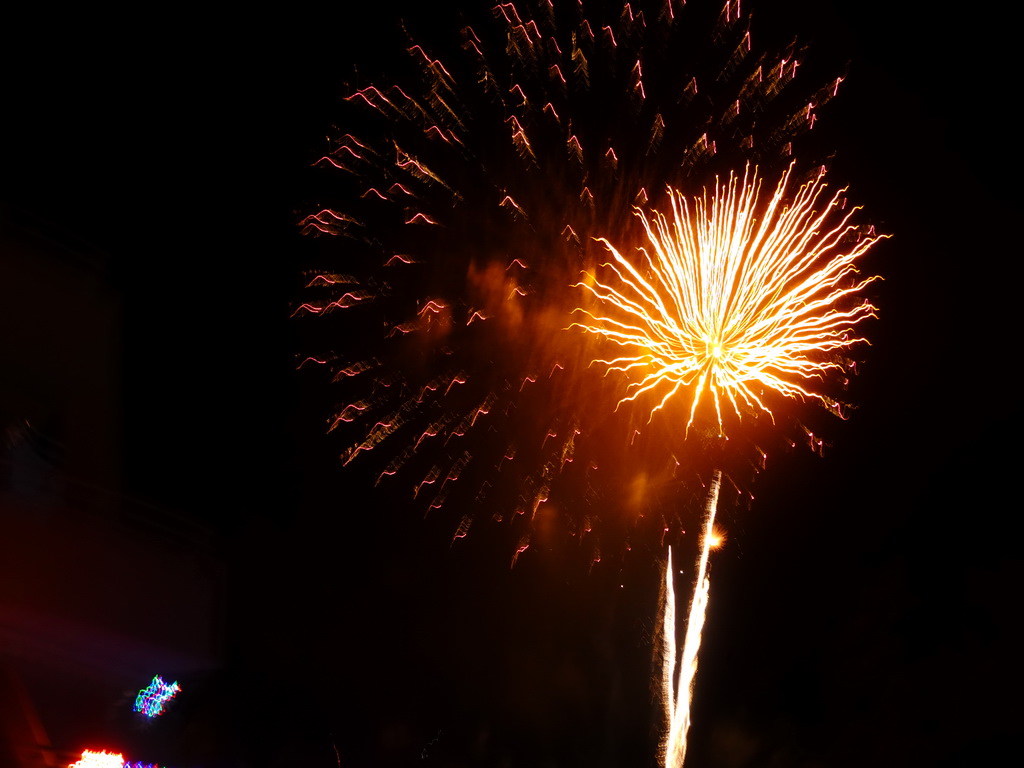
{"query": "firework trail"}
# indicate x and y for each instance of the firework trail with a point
(677, 687)
(470, 190)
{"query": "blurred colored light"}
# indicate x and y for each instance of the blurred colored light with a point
(152, 699)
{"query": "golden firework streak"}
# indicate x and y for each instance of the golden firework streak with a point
(678, 691)
(734, 297)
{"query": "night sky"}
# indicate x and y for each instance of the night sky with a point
(865, 609)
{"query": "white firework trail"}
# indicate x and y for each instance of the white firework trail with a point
(677, 684)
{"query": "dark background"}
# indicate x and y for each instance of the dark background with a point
(865, 610)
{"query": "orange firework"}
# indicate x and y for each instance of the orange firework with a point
(734, 296)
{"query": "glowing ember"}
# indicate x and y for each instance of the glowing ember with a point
(734, 297)
(153, 698)
(94, 759)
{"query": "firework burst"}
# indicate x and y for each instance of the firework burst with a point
(471, 193)
(734, 298)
